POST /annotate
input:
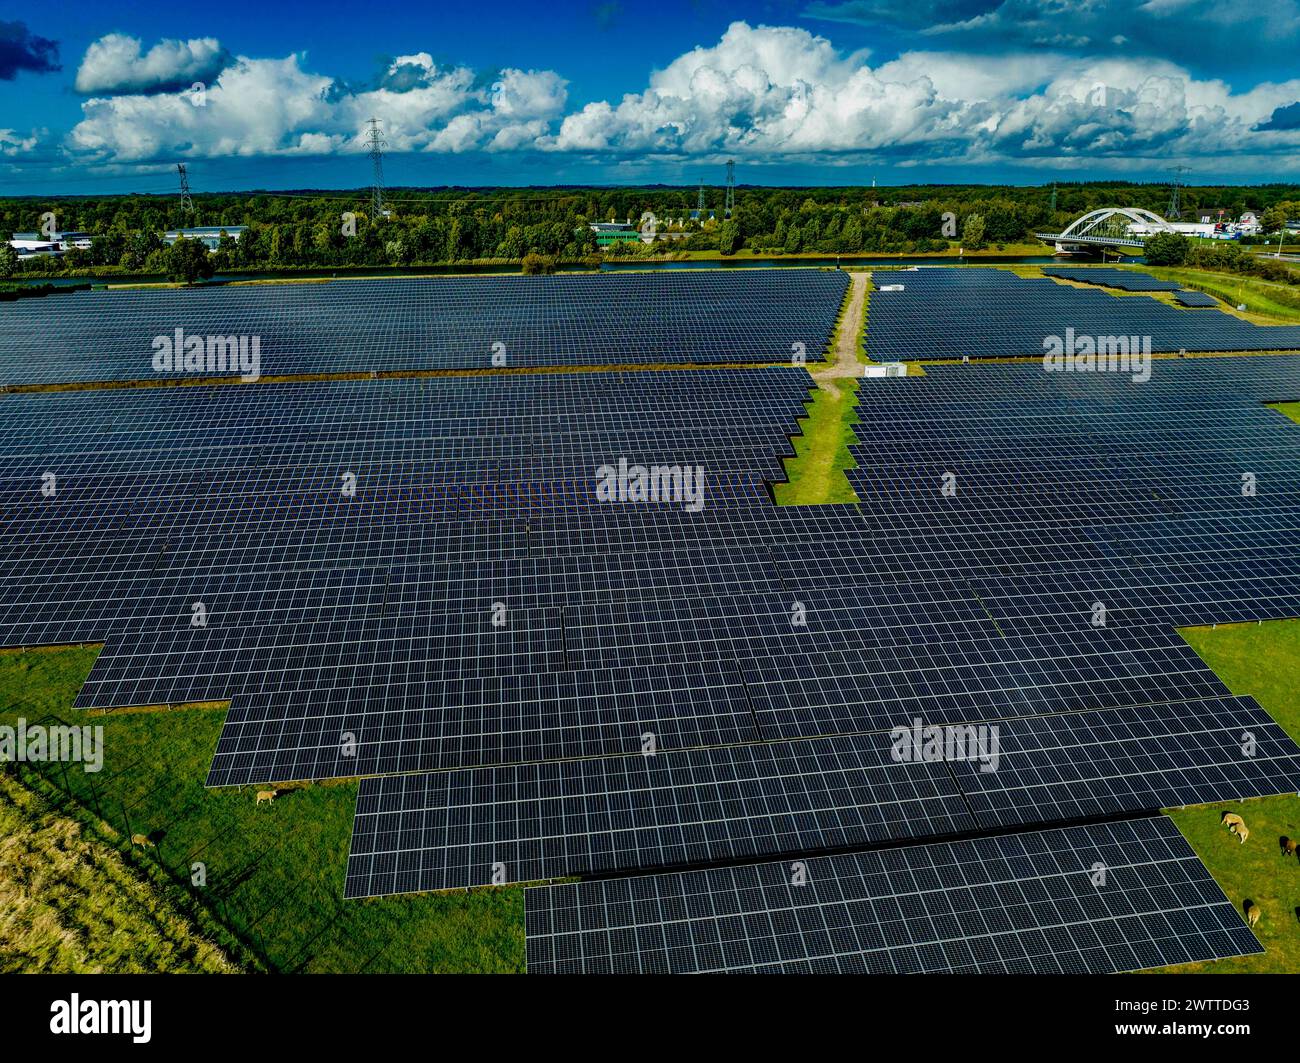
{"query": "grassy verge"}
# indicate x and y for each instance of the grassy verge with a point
(71, 904)
(1032, 248)
(273, 876)
(1287, 409)
(1264, 299)
(816, 473)
(1261, 660)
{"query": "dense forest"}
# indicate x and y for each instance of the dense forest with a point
(307, 229)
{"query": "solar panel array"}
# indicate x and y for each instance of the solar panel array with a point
(1093, 899)
(1125, 280)
(418, 582)
(944, 313)
(1195, 299)
(396, 325)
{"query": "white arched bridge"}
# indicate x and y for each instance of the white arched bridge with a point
(1108, 227)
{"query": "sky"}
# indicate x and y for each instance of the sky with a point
(108, 97)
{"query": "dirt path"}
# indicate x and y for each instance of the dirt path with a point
(846, 362)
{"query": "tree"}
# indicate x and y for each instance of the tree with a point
(972, 231)
(188, 261)
(729, 241)
(1273, 220)
(535, 264)
(513, 244)
(8, 260)
(1166, 249)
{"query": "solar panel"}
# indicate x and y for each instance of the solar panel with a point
(448, 830)
(1081, 900)
(425, 726)
(1195, 299)
(1082, 765)
(1124, 279)
(1001, 315)
(397, 325)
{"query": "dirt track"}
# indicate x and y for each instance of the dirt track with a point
(846, 362)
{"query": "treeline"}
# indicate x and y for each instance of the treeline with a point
(1221, 256)
(447, 225)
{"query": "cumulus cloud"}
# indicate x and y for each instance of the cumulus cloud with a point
(1169, 28)
(768, 88)
(115, 65)
(20, 49)
(764, 93)
(782, 91)
(14, 143)
(276, 107)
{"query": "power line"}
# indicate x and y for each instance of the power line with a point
(187, 202)
(1175, 206)
(377, 145)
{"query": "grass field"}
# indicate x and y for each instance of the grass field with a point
(816, 473)
(1263, 299)
(274, 875)
(1261, 660)
(69, 902)
(1288, 409)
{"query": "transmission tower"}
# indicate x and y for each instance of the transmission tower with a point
(377, 144)
(730, 204)
(699, 202)
(1053, 197)
(187, 201)
(1175, 207)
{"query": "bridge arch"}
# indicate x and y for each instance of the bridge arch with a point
(1107, 218)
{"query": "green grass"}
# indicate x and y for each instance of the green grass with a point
(816, 473)
(1268, 299)
(1287, 409)
(71, 904)
(1261, 660)
(274, 874)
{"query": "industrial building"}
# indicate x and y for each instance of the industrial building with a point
(34, 245)
(209, 234)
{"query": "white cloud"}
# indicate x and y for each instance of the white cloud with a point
(14, 143)
(762, 93)
(773, 91)
(275, 107)
(114, 65)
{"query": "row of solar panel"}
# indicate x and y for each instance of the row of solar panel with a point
(428, 725)
(406, 325)
(1097, 899)
(557, 819)
(1126, 280)
(1003, 315)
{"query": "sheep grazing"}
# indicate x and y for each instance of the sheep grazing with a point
(1252, 913)
(1236, 825)
(143, 841)
(265, 796)
(1287, 845)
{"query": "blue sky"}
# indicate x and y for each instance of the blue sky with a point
(97, 97)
